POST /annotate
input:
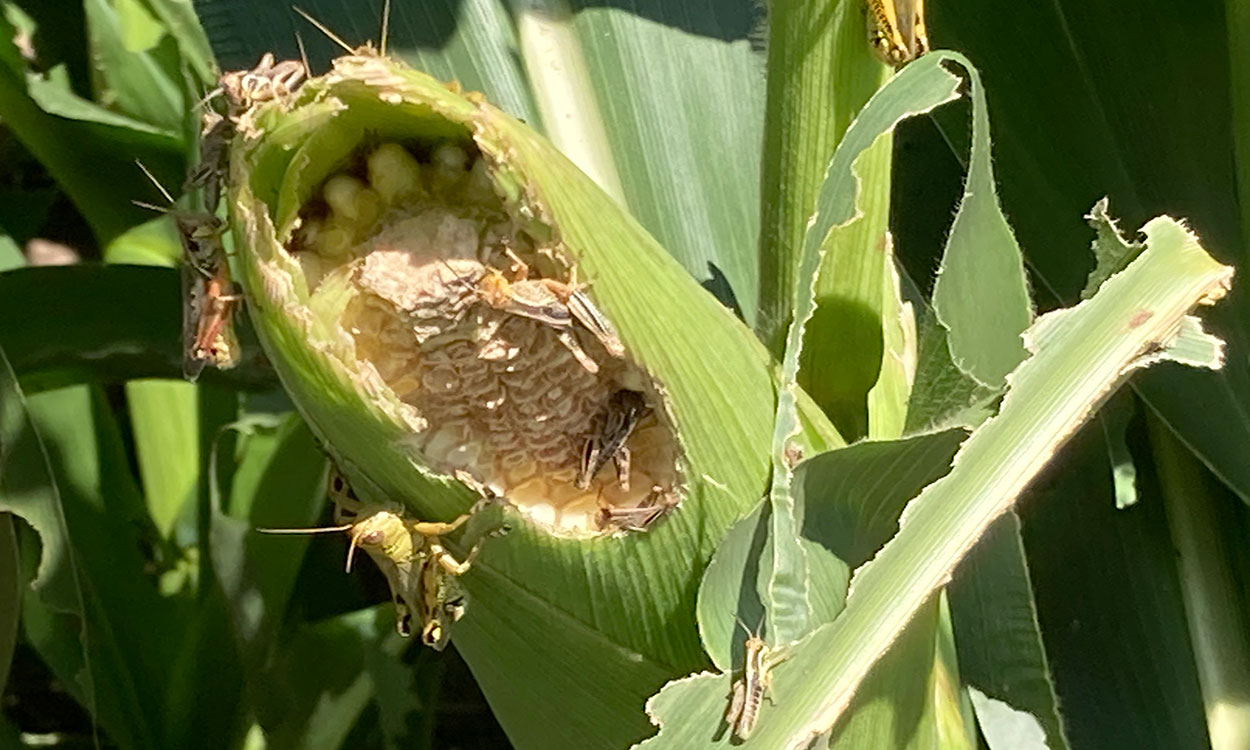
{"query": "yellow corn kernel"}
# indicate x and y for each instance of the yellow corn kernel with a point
(447, 167)
(336, 239)
(394, 173)
(340, 193)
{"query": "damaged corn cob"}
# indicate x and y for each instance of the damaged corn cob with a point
(458, 311)
(484, 332)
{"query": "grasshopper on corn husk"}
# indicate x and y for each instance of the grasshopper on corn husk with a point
(421, 572)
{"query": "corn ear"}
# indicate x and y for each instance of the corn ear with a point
(376, 214)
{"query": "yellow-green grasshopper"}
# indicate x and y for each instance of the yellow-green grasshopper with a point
(896, 30)
(419, 569)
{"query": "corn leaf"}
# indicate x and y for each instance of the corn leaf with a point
(1082, 96)
(918, 89)
(44, 112)
(680, 93)
(821, 73)
(1123, 565)
(11, 582)
(85, 640)
(1001, 654)
(1078, 356)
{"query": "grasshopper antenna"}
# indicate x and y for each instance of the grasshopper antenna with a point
(314, 530)
(155, 182)
(303, 53)
(323, 29)
(386, 27)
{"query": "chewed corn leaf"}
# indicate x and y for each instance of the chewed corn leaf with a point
(457, 310)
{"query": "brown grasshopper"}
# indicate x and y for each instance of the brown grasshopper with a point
(896, 30)
(421, 572)
(208, 301)
(208, 304)
(607, 443)
(750, 689)
(242, 90)
(552, 302)
(659, 501)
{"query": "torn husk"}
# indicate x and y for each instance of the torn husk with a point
(412, 269)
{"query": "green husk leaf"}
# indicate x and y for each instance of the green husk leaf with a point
(917, 89)
(683, 107)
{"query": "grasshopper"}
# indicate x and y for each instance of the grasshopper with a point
(749, 690)
(208, 302)
(552, 302)
(242, 89)
(659, 501)
(613, 427)
(208, 305)
(421, 572)
(897, 30)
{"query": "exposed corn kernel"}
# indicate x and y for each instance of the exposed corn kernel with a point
(394, 173)
(340, 193)
(448, 163)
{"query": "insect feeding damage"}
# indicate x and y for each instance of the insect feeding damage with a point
(483, 327)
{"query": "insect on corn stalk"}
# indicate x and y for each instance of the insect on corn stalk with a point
(208, 298)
